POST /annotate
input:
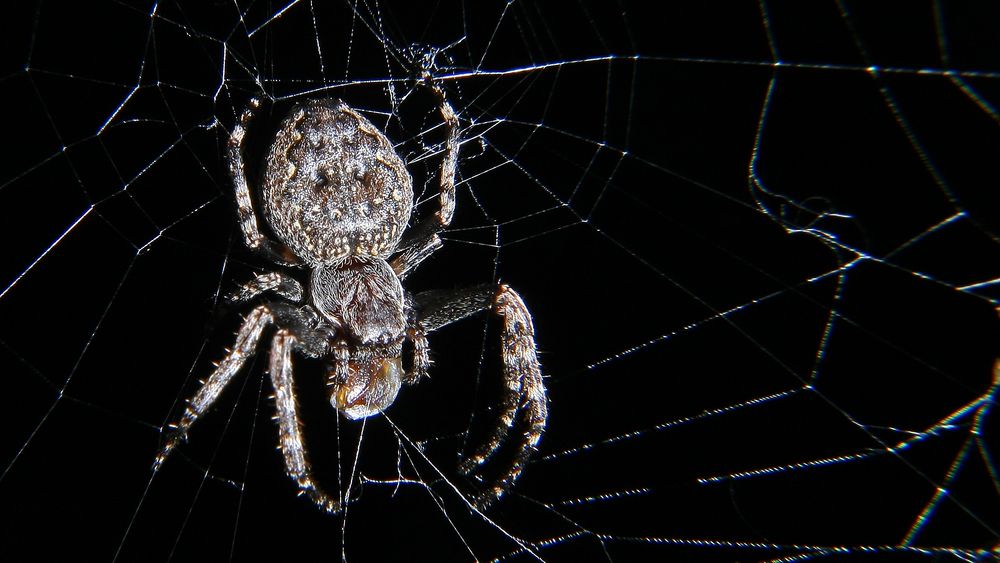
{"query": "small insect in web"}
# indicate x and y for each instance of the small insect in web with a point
(338, 199)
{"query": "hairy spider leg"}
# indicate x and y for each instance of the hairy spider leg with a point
(422, 240)
(450, 162)
(280, 283)
(246, 343)
(292, 321)
(524, 389)
(289, 427)
(421, 355)
(252, 236)
(412, 256)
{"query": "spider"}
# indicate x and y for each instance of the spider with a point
(338, 198)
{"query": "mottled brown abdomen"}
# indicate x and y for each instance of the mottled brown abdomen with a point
(333, 186)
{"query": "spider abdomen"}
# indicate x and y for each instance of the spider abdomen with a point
(334, 186)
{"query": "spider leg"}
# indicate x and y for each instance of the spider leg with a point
(423, 240)
(248, 218)
(311, 341)
(524, 390)
(289, 427)
(282, 284)
(246, 343)
(421, 355)
(412, 256)
(439, 307)
(451, 145)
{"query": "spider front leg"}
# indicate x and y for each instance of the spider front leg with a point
(246, 344)
(311, 342)
(524, 390)
(289, 427)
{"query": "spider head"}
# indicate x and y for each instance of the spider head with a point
(371, 386)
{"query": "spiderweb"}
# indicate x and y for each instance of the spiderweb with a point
(757, 242)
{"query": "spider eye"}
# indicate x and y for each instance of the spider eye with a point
(370, 388)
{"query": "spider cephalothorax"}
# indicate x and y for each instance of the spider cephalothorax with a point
(338, 199)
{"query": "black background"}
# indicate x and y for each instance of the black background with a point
(609, 183)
